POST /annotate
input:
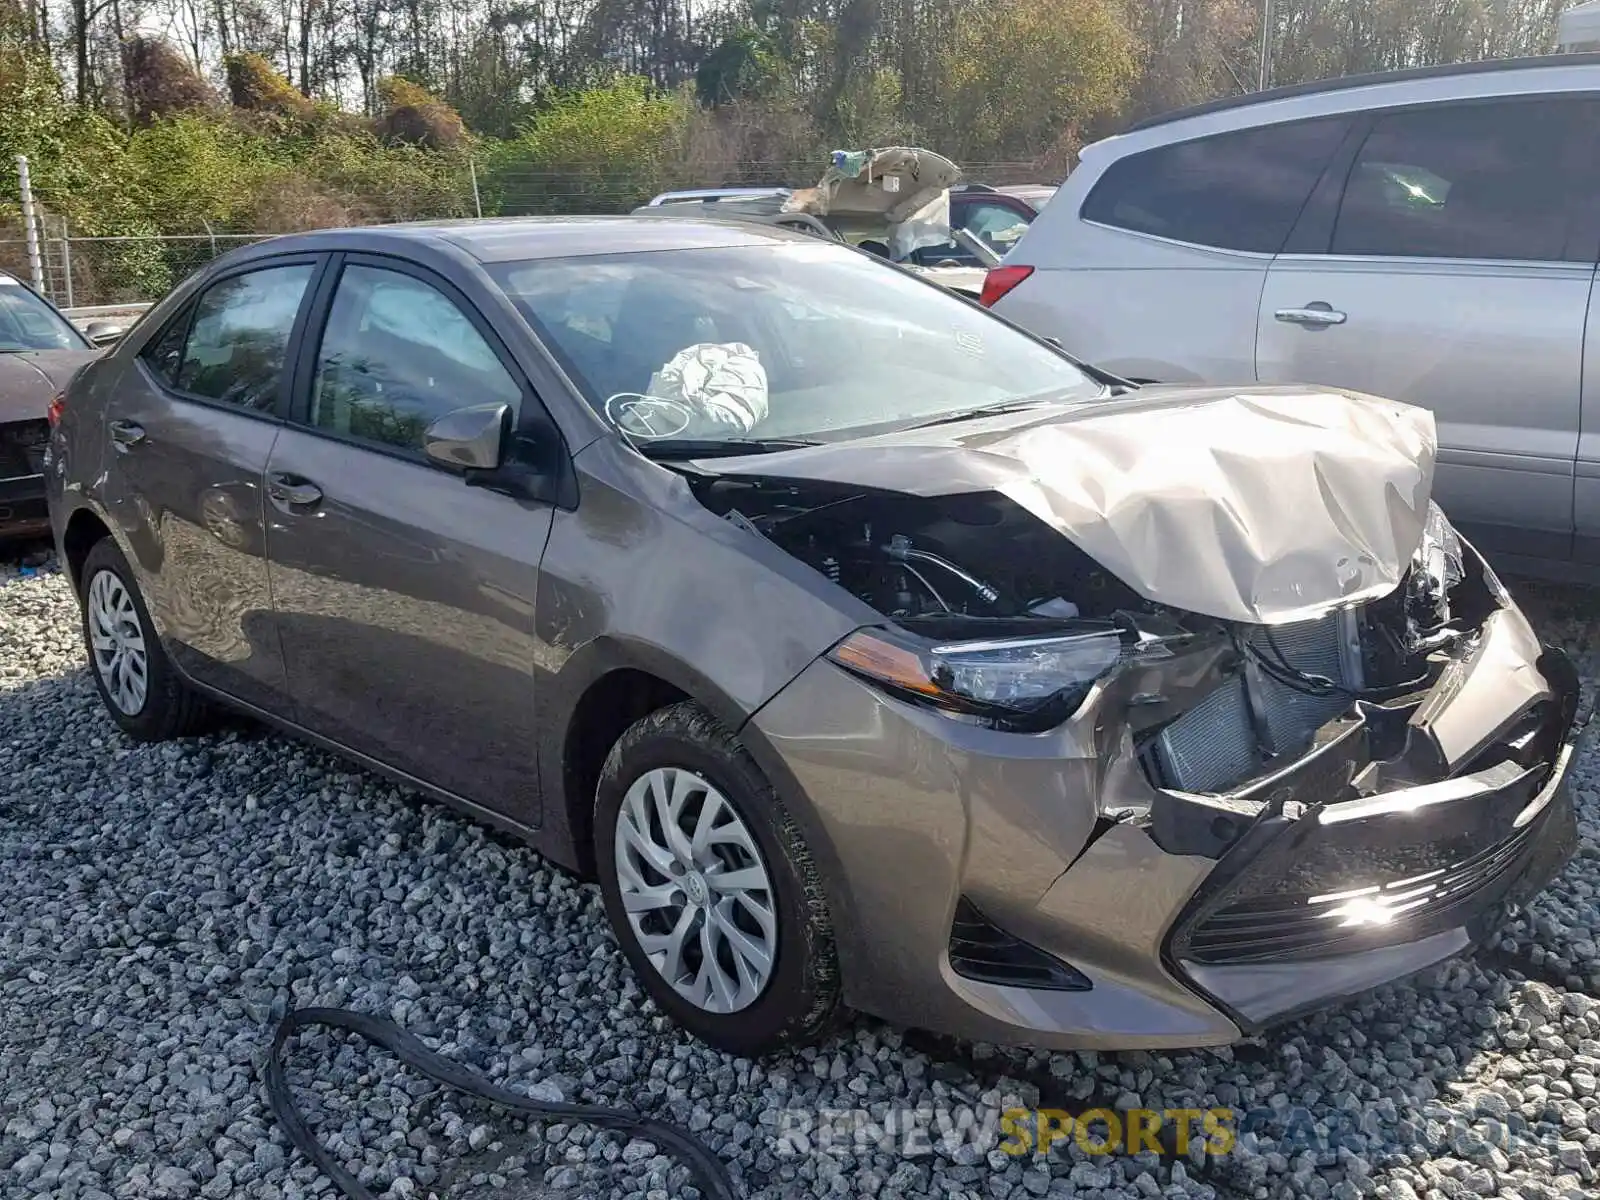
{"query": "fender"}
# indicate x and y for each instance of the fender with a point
(558, 702)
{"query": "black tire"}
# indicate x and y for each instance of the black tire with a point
(171, 708)
(800, 1003)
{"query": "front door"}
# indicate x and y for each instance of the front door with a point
(1458, 279)
(192, 423)
(405, 597)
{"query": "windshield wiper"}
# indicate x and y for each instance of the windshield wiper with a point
(988, 410)
(715, 447)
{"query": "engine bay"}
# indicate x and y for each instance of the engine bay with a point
(1224, 703)
(930, 564)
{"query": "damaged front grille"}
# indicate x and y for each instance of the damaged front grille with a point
(1254, 718)
(1297, 926)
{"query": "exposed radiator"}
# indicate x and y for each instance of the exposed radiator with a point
(1214, 746)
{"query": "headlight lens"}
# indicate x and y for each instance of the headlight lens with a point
(1436, 568)
(1008, 678)
(1438, 560)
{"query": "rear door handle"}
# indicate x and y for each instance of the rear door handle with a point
(287, 489)
(126, 433)
(1312, 316)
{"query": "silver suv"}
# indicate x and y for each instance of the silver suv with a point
(1428, 235)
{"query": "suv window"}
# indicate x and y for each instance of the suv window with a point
(239, 341)
(1482, 180)
(397, 354)
(1234, 191)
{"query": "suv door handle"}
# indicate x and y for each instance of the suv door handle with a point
(287, 489)
(126, 433)
(1312, 316)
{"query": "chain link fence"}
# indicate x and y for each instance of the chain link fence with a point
(78, 271)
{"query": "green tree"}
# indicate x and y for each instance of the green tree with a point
(1024, 77)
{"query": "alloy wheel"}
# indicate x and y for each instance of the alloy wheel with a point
(117, 643)
(695, 890)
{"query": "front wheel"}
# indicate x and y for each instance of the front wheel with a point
(710, 888)
(137, 682)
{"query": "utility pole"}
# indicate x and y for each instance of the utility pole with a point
(30, 224)
(1266, 45)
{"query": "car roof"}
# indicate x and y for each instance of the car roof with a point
(509, 239)
(1348, 82)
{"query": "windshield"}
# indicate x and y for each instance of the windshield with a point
(782, 340)
(28, 323)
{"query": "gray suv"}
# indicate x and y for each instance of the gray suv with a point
(1428, 235)
(867, 649)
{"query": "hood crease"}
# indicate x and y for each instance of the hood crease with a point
(1258, 505)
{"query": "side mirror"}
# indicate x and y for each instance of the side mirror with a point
(472, 438)
(104, 333)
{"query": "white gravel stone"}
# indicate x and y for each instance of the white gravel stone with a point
(163, 905)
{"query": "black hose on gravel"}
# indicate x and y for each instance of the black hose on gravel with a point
(706, 1171)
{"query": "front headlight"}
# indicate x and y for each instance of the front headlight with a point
(1438, 563)
(1033, 680)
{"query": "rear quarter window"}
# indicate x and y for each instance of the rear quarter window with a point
(1241, 190)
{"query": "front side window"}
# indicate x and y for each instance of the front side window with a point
(164, 352)
(28, 323)
(239, 341)
(996, 225)
(396, 355)
(778, 340)
(1234, 191)
(1482, 180)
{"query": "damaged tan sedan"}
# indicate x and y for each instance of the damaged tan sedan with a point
(868, 650)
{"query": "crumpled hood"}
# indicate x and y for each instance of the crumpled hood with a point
(1261, 505)
(30, 378)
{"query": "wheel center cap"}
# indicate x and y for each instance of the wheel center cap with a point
(695, 885)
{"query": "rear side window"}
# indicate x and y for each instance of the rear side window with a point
(239, 341)
(1485, 180)
(1234, 191)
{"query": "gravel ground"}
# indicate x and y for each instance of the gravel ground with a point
(162, 906)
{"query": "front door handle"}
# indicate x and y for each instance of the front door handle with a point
(286, 489)
(1313, 316)
(126, 433)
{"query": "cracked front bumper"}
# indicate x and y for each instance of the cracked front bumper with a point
(918, 818)
(1326, 908)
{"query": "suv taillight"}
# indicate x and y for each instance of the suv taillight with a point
(999, 281)
(58, 405)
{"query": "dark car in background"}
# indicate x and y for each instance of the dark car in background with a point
(40, 351)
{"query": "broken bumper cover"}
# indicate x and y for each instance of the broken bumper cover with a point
(1307, 912)
(928, 822)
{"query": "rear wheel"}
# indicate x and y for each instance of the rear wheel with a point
(710, 888)
(137, 682)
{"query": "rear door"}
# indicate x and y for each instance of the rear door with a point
(1157, 275)
(1453, 271)
(191, 423)
(404, 597)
